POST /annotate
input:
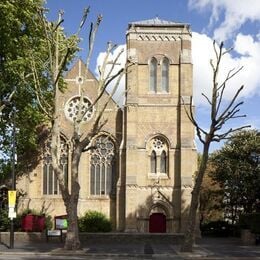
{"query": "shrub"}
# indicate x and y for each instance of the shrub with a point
(94, 221)
(5, 221)
(217, 228)
(250, 221)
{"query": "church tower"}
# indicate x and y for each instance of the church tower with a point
(158, 154)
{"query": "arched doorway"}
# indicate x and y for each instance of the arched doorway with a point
(157, 223)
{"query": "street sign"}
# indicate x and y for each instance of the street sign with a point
(11, 213)
(11, 198)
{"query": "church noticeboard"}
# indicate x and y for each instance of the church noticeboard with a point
(61, 223)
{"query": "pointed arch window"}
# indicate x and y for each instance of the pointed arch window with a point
(158, 150)
(50, 180)
(102, 169)
(153, 75)
(165, 75)
(153, 162)
(163, 162)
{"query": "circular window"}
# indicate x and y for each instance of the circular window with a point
(79, 80)
(74, 109)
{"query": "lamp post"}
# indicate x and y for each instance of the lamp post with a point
(13, 174)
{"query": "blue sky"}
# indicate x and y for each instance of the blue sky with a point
(237, 23)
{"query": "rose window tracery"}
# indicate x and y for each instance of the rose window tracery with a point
(73, 108)
(158, 143)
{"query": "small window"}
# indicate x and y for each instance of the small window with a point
(153, 162)
(163, 162)
(165, 75)
(153, 75)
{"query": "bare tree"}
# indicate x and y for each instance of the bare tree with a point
(220, 115)
(58, 58)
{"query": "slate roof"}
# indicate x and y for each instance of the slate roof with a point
(155, 22)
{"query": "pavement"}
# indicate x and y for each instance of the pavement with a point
(205, 248)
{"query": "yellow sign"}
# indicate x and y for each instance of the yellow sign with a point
(11, 198)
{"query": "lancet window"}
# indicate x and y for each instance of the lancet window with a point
(153, 75)
(165, 75)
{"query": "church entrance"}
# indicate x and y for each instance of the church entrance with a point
(157, 223)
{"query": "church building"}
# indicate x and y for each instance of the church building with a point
(141, 173)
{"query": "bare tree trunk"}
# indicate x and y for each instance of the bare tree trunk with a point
(72, 240)
(220, 114)
(189, 237)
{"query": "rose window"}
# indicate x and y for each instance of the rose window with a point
(74, 109)
(158, 143)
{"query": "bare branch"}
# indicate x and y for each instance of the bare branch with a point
(92, 36)
(37, 88)
(113, 63)
(230, 105)
(46, 31)
(206, 98)
(62, 65)
(219, 137)
(189, 114)
(227, 51)
(84, 18)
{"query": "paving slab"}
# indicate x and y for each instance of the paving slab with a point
(205, 248)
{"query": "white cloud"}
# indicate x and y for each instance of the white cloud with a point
(248, 51)
(236, 13)
(118, 96)
(248, 55)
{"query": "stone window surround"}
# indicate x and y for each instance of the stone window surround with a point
(158, 87)
(158, 144)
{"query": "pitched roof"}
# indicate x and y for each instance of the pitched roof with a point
(156, 22)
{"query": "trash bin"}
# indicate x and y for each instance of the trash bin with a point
(33, 223)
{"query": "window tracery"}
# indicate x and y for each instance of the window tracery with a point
(73, 108)
(50, 180)
(158, 150)
(102, 169)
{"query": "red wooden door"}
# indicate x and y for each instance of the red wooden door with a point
(157, 223)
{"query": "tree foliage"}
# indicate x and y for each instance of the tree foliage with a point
(211, 197)
(20, 36)
(24, 52)
(236, 169)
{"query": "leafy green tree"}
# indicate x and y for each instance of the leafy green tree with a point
(20, 36)
(236, 169)
(211, 197)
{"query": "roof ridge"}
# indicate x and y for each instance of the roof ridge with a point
(155, 21)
